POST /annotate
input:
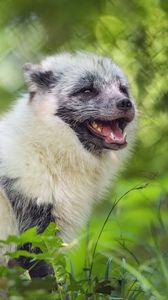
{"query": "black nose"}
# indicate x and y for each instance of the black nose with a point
(124, 104)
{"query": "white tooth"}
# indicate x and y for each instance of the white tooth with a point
(94, 125)
(112, 136)
(99, 129)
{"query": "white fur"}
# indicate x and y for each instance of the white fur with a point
(8, 225)
(52, 165)
(49, 161)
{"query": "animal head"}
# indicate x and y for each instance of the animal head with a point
(90, 93)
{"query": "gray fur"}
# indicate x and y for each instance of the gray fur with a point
(85, 93)
(28, 213)
(44, 162)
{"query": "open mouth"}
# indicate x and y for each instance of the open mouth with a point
(111, 132)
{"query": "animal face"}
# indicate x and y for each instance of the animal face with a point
(91, 94)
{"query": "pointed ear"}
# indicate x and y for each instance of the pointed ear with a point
(37, 78)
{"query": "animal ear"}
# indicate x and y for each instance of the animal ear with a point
(37, 78)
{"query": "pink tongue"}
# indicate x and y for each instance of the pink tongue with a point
(113, 134)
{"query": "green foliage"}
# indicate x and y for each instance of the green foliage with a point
(124, 257)
(114, 270)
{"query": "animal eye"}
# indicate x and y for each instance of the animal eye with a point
(87, 90)
(124, 90)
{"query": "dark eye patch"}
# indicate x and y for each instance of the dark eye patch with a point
(86, 90)
(123, 89)
(85, 86)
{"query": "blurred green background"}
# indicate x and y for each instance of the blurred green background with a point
(135, 34)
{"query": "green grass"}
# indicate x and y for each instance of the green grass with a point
(118, 256)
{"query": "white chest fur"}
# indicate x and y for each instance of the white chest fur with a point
(53, 167)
